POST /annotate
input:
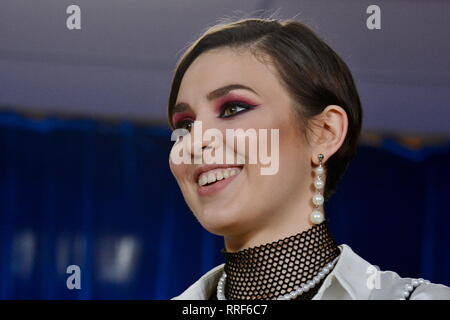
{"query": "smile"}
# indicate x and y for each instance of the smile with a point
(212, 181)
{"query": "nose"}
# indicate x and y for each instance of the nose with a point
(195, 144)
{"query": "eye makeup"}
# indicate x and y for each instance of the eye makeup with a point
(226, 106)
(179, 117)
(233, 99)
(220, 106)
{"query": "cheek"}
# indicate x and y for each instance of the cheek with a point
(179, 171)
(293, 150)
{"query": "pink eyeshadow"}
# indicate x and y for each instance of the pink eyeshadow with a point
(180, 116)
(232, 97)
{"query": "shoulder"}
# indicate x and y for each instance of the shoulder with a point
(391, 286)
(203, 287)
(431, 291)
(363, 280)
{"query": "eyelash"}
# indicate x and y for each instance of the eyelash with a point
(226, 106)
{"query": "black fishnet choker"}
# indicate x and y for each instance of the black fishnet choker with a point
(270, 270)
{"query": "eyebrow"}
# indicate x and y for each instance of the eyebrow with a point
(215, 94)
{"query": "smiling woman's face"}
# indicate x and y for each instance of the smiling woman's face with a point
(251, 202)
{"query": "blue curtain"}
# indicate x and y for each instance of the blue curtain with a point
(101, 196)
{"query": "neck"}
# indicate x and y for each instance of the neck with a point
(286, 222)
(279, 267)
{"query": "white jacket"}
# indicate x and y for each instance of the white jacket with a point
(352, 278)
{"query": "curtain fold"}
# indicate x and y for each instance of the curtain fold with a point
(101, 196)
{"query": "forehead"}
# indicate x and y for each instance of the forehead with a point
(219, 67)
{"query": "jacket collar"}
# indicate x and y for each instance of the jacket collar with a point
(203, 287)
(347, 281)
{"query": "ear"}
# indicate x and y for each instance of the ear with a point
(329, 132)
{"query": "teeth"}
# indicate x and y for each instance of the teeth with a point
(211, 177)
(217, 174)
(203, 179)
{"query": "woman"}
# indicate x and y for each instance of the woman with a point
(257, 74)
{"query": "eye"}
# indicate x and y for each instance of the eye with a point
(184, 124)
(234, 107)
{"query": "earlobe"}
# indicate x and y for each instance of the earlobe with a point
(316, 156)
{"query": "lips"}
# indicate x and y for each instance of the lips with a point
(209, 167)
(213, 188)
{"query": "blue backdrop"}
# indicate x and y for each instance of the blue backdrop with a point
(101, 196)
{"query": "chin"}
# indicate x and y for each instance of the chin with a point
(221, 222)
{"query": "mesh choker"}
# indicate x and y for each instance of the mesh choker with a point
(276, 268)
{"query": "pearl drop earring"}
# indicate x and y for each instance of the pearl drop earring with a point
(317, 215)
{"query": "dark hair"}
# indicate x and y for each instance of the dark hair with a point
(313, 74)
